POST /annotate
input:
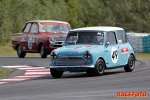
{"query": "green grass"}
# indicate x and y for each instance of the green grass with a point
(142, 55)
(4, 72)
(7, 51)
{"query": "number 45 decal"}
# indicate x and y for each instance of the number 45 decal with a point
(114, 55)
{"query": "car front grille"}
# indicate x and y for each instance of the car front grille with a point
(71, 61)
(57, 44)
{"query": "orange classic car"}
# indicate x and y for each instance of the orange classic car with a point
(40, 36)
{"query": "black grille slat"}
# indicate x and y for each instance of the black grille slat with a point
(57, 44)
(71, 61)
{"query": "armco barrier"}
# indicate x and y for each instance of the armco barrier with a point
(139, 41)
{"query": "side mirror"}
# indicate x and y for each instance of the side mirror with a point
(119, 41)
(107, 43)
(35, 32)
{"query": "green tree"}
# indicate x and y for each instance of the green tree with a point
(132, 15)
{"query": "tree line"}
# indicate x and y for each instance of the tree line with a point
(132, 15)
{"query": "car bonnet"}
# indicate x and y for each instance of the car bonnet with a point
(74, 50)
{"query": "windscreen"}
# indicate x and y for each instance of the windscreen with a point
(84, 38)
(54, 28)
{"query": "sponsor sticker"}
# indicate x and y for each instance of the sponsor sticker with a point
(81, 47)
(124, 50)
(30, 41)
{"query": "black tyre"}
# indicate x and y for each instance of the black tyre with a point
(20, 53)
(55, 73)
(43, 52)
(99, 67)
(130, 65)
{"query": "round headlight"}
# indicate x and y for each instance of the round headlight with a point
(54, 54)
(52, 40)
(87, 54)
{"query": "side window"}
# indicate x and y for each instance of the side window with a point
(27, 27)
(34, 28)
(110, 37)
(121, 37)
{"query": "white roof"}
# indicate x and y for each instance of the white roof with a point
(39, 21)
(99, 28)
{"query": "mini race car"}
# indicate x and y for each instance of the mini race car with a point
(93, 49)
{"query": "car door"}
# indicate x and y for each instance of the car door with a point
(124, 50)
(111, 50)
(24, 38)
(32, 37)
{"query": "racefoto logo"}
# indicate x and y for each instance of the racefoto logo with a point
(131, 94)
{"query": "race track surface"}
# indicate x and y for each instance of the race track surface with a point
(77, 86)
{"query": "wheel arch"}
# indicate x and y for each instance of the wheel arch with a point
(130, 66)
(17, 45)
(133, 56)
(103, 61)
(40, 46)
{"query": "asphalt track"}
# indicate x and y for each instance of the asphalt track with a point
(77, 86)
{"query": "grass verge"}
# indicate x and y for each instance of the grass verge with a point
(4, 72)
(142, 55)
(7, 51)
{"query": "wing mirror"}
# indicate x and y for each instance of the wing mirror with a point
(35, 32)
(107, 43)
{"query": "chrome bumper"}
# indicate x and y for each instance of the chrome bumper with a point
(89, 66)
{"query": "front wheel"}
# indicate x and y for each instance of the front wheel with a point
(55, 73)
(43, 51)
(99, 67)
(130, 65)
(20, 53)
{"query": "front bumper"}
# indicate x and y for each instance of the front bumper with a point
(80, 66)
(72, 68)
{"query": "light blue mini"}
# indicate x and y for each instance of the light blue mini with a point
(93, 49)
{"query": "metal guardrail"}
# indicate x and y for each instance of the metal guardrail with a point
(140, 41)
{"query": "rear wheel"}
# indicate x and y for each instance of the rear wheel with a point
(99, 67)
(20, 53)
(130, 65)
(55, 73)
(43, 52)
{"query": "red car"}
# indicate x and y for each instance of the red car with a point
(40, 36)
